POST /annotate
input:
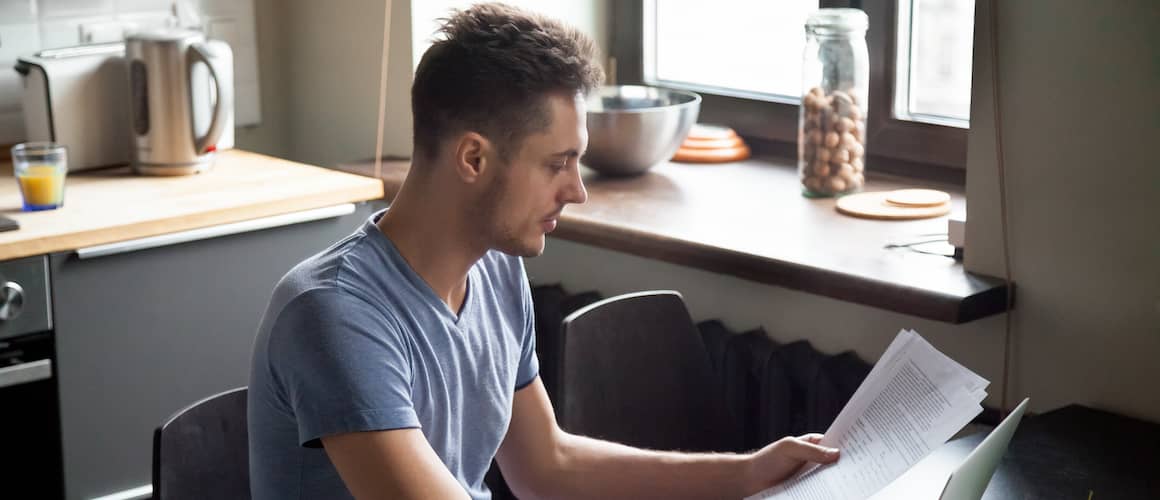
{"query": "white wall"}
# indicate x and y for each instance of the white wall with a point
(272, 135)
(324, 62)
(1078, 85)
(589, 16)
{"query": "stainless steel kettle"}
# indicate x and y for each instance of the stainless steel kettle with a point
(162, 103)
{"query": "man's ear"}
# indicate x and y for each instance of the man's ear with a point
(471, 156)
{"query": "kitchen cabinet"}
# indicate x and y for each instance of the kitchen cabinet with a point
(144, 333)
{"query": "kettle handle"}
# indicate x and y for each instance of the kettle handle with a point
(224, 102)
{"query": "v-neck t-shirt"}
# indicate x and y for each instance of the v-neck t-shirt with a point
(354, 340)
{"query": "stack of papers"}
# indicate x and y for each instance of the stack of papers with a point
(912, 402)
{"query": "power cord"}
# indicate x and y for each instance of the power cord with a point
(1003, 219)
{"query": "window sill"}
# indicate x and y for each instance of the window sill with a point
(748, 219)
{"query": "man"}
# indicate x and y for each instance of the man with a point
(400, 361)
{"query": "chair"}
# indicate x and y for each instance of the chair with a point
(634, 370)
(202, 451)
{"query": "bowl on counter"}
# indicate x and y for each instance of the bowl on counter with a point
(633, 127)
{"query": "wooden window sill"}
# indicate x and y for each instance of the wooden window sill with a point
(748, 219)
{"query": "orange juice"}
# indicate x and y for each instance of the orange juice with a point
(42, 187)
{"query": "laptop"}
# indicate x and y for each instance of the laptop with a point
(969, 480)
(946, 475)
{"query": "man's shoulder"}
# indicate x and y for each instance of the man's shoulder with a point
(334, 281)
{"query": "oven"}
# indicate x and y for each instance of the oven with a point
(30, 464)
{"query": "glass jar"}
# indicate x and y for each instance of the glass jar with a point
(835, 87)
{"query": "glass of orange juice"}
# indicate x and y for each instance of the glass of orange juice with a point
(40, 168)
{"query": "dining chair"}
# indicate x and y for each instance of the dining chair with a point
(202, 451)
(634, 370)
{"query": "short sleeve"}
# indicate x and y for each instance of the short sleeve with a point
(529, 364)
(343, 366)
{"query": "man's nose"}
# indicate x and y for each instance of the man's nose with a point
(575, 191)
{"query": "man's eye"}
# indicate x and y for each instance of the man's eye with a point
(558, 166)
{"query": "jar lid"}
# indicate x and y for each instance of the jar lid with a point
(841, 19)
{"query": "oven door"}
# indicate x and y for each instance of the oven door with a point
(29, 419)
(30, 443)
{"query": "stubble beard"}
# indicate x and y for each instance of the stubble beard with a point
(498, 234)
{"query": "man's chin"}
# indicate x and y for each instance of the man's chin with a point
(526, 249)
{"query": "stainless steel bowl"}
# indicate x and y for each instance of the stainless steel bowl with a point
(631, 128)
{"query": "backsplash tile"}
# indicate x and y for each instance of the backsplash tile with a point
(66, 32)
(74, 8)
(17, 40)
(143, 5)
(28, 26)
(17, 11)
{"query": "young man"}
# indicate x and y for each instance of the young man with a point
(400, 361)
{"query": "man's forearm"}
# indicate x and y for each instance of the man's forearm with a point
(591, 468)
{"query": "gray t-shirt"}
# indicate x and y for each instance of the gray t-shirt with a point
(354, 340)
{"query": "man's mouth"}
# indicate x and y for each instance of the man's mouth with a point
(549, 223)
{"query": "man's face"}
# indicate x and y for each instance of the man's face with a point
(525, 197)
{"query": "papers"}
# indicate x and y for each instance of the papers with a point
(913, 400)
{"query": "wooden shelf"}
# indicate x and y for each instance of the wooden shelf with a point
(748, 219)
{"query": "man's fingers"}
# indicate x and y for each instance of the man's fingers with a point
(812, 438)
(802, 449)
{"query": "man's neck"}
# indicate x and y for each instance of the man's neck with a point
(432, 235)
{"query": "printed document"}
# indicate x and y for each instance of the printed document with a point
(914, 399)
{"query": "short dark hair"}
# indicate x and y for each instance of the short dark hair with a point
(490, 70)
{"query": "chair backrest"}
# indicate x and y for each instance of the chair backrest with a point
(202, 451)
(635, 371)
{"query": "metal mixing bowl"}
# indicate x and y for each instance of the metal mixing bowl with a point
(631, 128)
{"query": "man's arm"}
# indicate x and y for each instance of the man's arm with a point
(541, 460)
(394, 464)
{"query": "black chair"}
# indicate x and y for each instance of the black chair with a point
(634, 370)
(202, 451)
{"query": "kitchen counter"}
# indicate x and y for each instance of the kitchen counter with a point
(113, 205)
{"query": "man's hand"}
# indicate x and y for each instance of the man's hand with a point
(783, 458)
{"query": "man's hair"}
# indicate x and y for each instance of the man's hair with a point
(491, 69)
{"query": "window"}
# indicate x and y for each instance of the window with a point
(934, 85)
(688, 45)
(744, 57)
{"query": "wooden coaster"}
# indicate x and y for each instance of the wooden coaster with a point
(702, 131)
(874, 206)
(917, 198)
(689, 155)
(730, 142)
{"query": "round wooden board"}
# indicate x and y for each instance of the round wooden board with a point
(688, 155)
(874, 206)
(730, 142)
(918, 197)
(705, 131)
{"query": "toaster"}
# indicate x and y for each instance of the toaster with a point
(79, 97)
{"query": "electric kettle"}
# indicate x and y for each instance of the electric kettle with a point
(164, 106)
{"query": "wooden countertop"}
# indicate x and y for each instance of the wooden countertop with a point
(748, 219)
(112, 205)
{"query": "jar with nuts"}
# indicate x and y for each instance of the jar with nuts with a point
(832, 121)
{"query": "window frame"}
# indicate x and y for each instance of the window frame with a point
(898, 146)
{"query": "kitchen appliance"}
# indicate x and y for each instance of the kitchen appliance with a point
(30, 434)
(162, 104)
(76, 96)
(79, 97)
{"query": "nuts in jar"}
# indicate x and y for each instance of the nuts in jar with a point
(833, 131)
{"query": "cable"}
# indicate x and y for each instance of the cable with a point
(383, 92)
(1003, 220)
